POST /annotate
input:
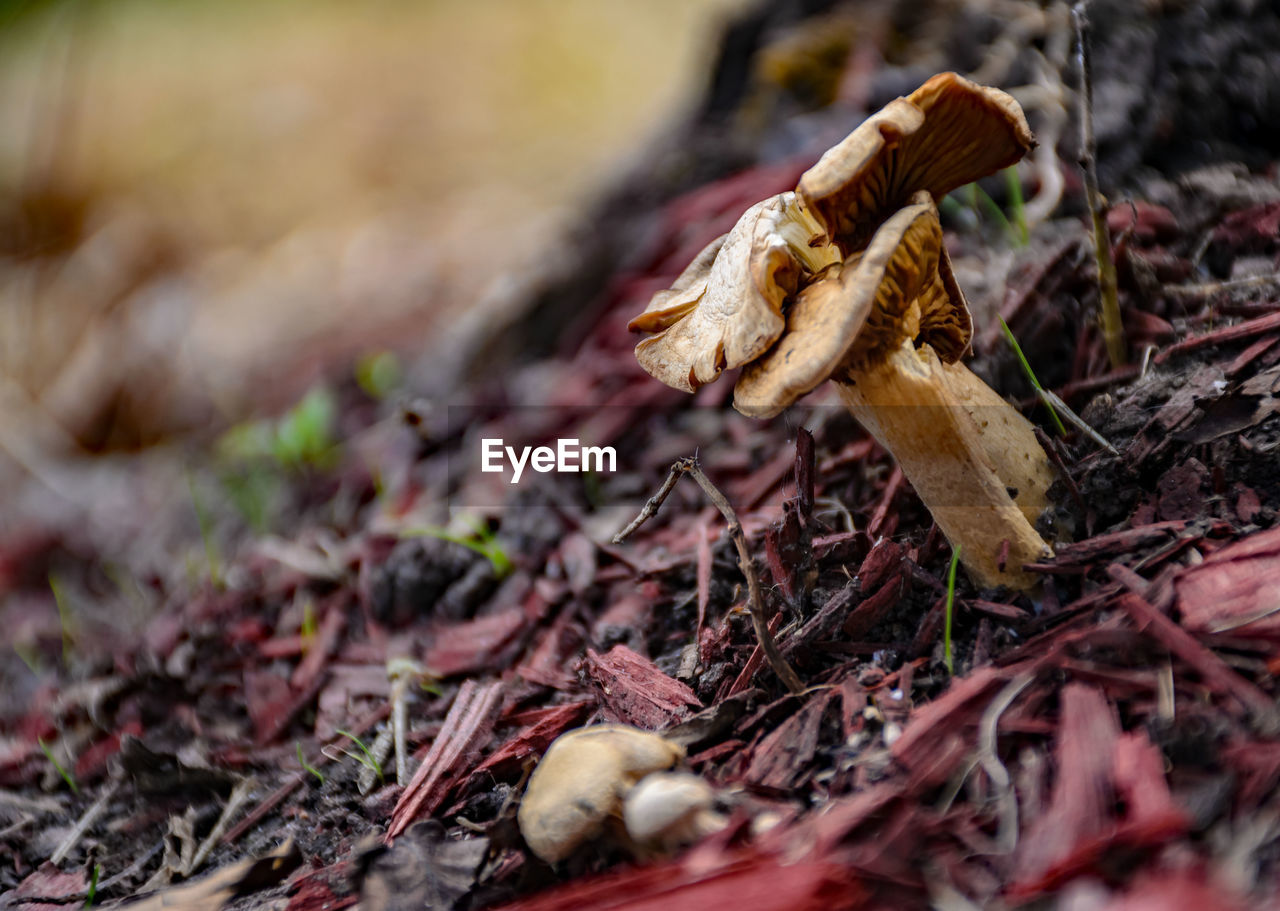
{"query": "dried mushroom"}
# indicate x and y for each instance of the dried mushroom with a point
(876, 308)
(582, 781)
(726, 308)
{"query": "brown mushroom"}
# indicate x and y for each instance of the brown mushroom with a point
(877, 308)
(945, 134)
(726, 308)
(582, 781)
(885, 326)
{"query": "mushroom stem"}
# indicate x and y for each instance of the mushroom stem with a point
(973, 459)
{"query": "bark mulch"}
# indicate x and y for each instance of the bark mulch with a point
(1110, 741)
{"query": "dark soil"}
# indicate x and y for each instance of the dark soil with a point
(1111, 742)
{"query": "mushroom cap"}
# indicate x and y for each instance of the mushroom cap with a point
(898, 288)
(582, 780)
(945, 134)
(666, 307)
(733, 313)
(665, 805)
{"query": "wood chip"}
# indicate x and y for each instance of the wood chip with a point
(635, 692)
(466, 730)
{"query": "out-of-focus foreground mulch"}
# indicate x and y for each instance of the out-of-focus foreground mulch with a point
(1110, 743)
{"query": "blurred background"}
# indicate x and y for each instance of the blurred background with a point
(205, 205)
(226, 228)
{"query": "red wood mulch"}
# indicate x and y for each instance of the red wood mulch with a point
(1113, 738)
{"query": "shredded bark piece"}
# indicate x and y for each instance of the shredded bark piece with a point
(466, 729)
(635, 692)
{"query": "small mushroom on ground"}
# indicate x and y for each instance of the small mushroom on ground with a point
(876, 308)
(582, 781)
(885, 329)
(668, 810)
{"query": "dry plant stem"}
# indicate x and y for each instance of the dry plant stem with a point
(755, 602)
(974, 461)
(83, 824)
(399, 727)
(1005, 797)
(1208, 289)
(240, 795)
(1055, 402)
(1108, 293)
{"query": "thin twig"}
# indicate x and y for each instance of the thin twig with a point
(1060, 407)
(1108, 293)
(130, 873)
(1006, 798)
(83, 824)
(755, 602)
(650, 509)
(1208, 289)
(240, 795)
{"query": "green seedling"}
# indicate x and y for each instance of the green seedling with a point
(483, 541)
(66, 776)
(93, 885)
(951, 598)
(302, 760)
(1031, 375)
(1017, 204)
(365, 758)
(65, 619)
(256, 455)
(302, 437)
(205, 522)
(378, 374)
(972, 197)
(307, 631)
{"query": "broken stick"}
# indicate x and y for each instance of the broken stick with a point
(755, 603)
(1108, 291)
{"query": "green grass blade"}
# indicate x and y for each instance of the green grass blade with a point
(302, 760)
(66, 776)
(367, 760)
(93, 886)
(951, 598)
(1017, 205)
(1031, 375)
(484, 543)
